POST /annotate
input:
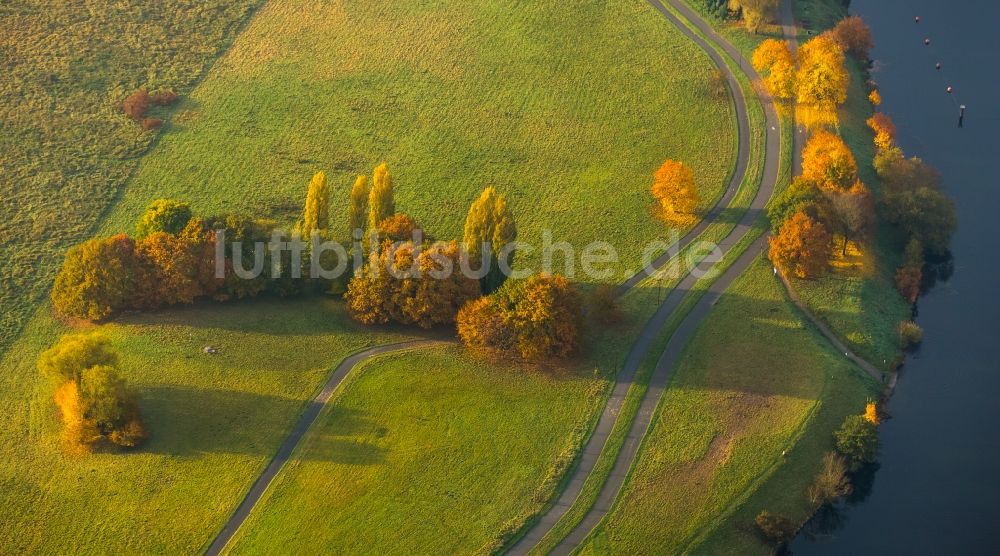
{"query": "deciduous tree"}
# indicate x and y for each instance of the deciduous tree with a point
(885, 130)
(163, 215)
(774, 60)
(828, 162)
(802, 247)
(316, 215)
(857, 440)
(488, 237)
(73, 353)
(674, 188)
(854, 37)
(822, 80)
(380, 200)
(358, 216)
(755, 13)
(97, 278)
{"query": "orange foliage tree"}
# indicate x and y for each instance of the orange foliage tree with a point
(854, 37)
(403, 284)
(166, 272)
(539, 317)
(674, 188)
(801, 247)
(398, 227)
(885, 130)
(773, 59)
(875, 97)
(827, 161)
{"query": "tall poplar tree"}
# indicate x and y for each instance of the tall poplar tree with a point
(359, 205)
(380, 199)
(490, 225)
(317, 210)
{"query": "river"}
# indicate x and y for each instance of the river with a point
(937, 488)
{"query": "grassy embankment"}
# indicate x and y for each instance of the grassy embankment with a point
(717, 456)
(562, 128)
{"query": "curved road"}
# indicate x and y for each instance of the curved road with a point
(596, 443)
(305, 421)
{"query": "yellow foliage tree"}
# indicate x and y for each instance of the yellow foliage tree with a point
(316, 215)
(871, 413)
(774, 60)
(381, 204)
(490, 225)
(828, 162)
(674, 188)
(822, 80)
(755, 13)
(885, 130)
(875, 97)
(359, 206)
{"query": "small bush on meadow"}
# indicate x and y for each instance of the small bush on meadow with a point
(776, 528)
(135, 105)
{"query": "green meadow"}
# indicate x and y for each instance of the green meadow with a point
(455, 96)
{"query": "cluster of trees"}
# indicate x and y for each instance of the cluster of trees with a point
(856, 446)
(827, 200)
(537, 318)
(912, 200)
(816, 77)
(675, 192)
(94, 402)
(411, 284)
(172, 256)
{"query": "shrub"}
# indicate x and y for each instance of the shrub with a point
(163, 97)
(831, 482)
(135, 105)
(910, 334)
(149, 124)
(857, 440)
(776, 528)
(717, 85)
(96, 278)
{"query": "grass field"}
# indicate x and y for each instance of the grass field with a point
(565, 108)
(66, 150)
(214, 423)
(455, 97)
(743, 393)
(428, 452)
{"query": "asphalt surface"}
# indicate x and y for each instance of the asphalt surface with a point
(661, 375)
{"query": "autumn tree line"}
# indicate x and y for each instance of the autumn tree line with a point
(174, 257)
(828, 204)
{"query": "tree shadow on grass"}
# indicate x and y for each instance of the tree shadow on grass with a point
(187, 422)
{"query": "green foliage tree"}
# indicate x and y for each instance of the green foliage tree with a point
(381, 204)
(923, 213)
(857, 440)
(489, 233)
(97, 278)
(802, 195)
(73, 353)
(316, 214)
(163, 215)
(358, 216)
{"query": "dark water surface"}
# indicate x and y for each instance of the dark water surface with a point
(938, 486)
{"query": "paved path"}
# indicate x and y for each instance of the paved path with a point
(298, 431)
(596, 443)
